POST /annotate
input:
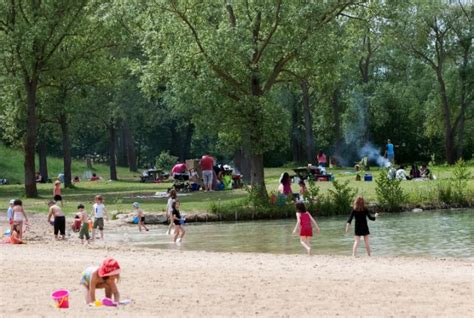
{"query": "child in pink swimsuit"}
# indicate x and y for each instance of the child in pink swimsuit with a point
(304, 222)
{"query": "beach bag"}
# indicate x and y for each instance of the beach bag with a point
(135, 220)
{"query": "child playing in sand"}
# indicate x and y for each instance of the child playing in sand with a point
(57, 192)
(140, 216)
(304, 222)
(84, 231)
(76, 225)
(172, 197)
(360, 212)
(19, 217)
(59, 220)
(178, 223)
(105, 276)
(99, 212)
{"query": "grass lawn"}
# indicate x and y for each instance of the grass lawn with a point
(119, 195)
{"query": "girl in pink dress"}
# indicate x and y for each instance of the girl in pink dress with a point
(304, 222)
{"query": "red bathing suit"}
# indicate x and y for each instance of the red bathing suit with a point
(305, 224)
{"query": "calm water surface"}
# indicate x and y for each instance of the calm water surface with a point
(432, 233)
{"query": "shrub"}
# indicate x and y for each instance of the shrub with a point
(389, 192)
(454, 191)
(342, 197)
(165, 161)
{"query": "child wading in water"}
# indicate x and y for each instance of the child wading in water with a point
(140, 216)
(178, 224)
(172, 197)
(84, 231)
(304, 221)
(360, 212)
(59, 220)
(99, 213)
(105, 276)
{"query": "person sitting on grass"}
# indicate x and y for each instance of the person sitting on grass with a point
(94, 177)
(414, 172)
(400, 174)
(105, 277)
(425, 171)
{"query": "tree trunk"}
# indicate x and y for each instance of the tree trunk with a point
(242, 163)
(336, 111)
(43, 160)
(257, 179)
(112, 160)
(30, 141)
(130, 148)
(464, 71)
(63, 122)
(188, 140)
(448, 131)
(308, 122)
(122, 159)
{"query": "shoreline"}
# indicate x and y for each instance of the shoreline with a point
(174, 283)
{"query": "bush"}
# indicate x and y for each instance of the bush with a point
(389, 192)
(454, 191)
(165, 161)
(342, 197)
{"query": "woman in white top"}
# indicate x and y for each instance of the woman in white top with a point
(19, 216)
(172, 197)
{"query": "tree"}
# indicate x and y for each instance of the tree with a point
(238, 51)
(33, 35)
(439, 35)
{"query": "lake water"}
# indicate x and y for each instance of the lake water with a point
(431, 233)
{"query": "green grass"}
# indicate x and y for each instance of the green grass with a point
(119, 195)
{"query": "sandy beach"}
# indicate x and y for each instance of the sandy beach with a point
(191, 284)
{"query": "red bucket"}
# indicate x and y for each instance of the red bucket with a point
(61, 298)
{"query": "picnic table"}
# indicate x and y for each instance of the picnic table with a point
(153, 175)
(312, 173)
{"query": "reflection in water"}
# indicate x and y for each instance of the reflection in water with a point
(432, 233)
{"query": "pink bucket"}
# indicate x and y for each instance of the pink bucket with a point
(61, 297)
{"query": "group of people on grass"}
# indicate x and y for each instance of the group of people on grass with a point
(415, 173)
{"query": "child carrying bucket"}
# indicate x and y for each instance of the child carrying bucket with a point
(105, 276)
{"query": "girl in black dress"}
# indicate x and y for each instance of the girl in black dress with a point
(360, 213)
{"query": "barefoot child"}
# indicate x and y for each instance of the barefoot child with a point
(99, 213)
(19, 217)
(360, 212)
(178, 225)
(10, 214)
(140, 216)
(105, 276)
(172, 197)
(59, 219)
(304, 222)
(84, 231)
(57, 192)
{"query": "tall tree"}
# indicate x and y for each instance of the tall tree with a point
(32, 35)
(238, 51)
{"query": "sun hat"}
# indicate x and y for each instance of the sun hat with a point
(12, 201)
(136, 205)
(109, 267)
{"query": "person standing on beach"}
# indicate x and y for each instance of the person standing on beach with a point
(84, 231)
(57, 192)
(10, 214)
(19, 217)
(59, 220)
(390, 151)
(207, 168)
(99, 212)
(360, 213)
(304, 221)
